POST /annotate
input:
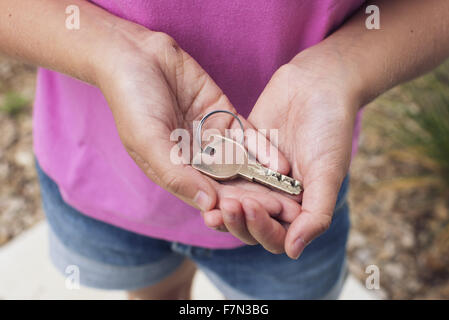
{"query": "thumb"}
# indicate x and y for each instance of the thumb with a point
(318, 204)
(190, 186)
(181, 180)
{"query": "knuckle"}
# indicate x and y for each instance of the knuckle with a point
(221, 228)
(164, 39)
(173, 183)
(323, 225)
(164, 47)
(286, 70)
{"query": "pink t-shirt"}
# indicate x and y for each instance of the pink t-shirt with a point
(239, 43)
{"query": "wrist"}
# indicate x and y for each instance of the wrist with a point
(332, 77)
(125, 48)
(335, 75)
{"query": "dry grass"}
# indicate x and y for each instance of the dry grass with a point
(400, 191)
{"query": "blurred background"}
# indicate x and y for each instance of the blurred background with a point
(399, 181)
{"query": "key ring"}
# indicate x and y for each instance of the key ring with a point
(200, 126)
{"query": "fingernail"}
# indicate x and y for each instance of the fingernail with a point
(202, 200)
(298, 247)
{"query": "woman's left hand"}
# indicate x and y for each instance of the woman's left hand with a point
(315, 114)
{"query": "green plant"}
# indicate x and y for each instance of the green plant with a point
(423, 128)
(13, 103)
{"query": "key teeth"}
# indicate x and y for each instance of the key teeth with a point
(273, 179)
(294, 183)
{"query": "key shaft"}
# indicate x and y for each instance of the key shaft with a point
(258, 173)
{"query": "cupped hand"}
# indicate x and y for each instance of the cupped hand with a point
(153, 88)
(315, 114)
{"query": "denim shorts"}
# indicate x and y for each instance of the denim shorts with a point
(109, 257)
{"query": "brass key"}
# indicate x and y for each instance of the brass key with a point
(224, 159)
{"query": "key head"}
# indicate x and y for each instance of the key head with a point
(222, 159)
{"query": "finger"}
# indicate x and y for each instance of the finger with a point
(239, 189)
(290, 209)
(277, 204)
(267, 231)
(214, 219)
(318, 205)
(229, 196)
(234, 220)
(233, 192)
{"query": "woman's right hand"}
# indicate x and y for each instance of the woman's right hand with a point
(154, 87)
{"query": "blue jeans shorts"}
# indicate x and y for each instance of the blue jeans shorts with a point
(109, 257)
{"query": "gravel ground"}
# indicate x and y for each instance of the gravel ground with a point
(399, 218)
(19, 192)
(397, 227)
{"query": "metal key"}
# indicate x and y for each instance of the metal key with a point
(224, 159)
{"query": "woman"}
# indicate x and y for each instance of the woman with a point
(126, 215)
